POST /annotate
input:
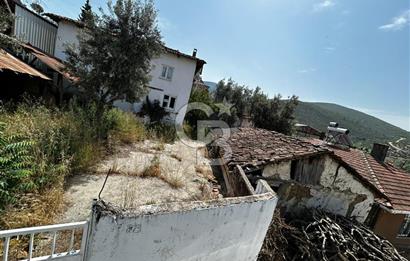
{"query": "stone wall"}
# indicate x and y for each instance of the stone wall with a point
(326, 185)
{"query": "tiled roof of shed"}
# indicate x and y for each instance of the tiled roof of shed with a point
(391, 181)
(257, 147)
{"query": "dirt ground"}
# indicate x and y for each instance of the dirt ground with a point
(183, 162)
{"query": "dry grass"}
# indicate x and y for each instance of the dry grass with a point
(128, 195)
(175, 156)
(34, 210)
(206, 192)
(154, 171)
(205, 172)
(174, 181)
(159, 147)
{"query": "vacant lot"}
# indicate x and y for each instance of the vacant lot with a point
(142, 173)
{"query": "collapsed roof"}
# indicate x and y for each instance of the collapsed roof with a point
(253, 147)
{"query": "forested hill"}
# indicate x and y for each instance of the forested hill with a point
(364, 129)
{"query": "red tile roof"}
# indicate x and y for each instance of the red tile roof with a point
(389, 180)
(257, 147)
(9, 62)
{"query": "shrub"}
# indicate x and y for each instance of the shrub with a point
(15, 166)
(162, 131)
(64, 141)
(153, 110)
(125, 126)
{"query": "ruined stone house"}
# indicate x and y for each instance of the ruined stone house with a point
(309, 174)
(389, 216)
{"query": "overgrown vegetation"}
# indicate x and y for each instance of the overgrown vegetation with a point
(153, 110)
(230, 102)
(60, 142)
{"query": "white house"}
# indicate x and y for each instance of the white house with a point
(172, 73)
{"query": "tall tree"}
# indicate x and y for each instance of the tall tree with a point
(86, 12)
(272, 114)
(112, 61)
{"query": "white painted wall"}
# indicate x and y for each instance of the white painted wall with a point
(66, 34)
(219, 230)
(180, 86)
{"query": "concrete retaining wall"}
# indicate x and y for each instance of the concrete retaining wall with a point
(224, 229)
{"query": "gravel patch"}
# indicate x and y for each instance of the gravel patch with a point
(180, 161)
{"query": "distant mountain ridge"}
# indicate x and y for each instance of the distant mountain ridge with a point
(364, 129)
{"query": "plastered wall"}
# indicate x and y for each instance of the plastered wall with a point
(337, 191)
(219, 230)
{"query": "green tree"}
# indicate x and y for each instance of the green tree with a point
(112, 61)
(86, 12)
(198, 95)
(272, 114)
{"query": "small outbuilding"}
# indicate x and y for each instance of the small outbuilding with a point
(312, 173)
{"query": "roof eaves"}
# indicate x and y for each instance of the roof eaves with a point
(58, 18)
(178, 53)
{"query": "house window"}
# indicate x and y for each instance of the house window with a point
(168, 102)
(405, 227)
(167, 72)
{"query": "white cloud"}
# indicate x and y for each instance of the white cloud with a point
(325, 4)
(330, 49)
(398, 22)
(307, 70)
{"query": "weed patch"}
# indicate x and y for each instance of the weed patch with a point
(154, 171)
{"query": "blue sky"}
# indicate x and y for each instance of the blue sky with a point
(353, 53)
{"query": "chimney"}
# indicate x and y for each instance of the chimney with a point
(194, 52)
(379, 152)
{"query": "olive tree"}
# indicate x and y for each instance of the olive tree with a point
(112, 60)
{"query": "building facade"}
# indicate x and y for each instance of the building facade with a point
(172, 73)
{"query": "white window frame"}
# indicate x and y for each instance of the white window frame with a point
(168, 102)
(168, 74)
(405, 226)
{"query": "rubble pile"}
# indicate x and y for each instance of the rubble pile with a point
(317, 235)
